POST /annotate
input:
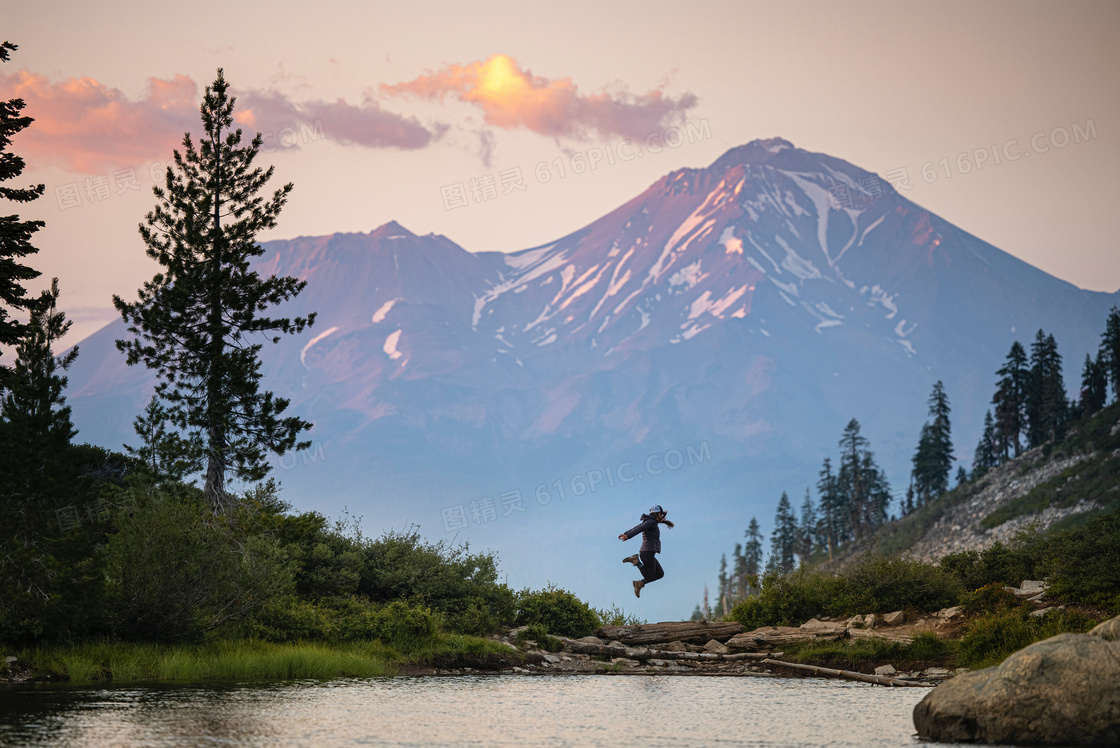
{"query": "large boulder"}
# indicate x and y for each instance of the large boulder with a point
(1061, 691)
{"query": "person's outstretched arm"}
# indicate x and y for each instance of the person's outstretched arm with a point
(638, 529)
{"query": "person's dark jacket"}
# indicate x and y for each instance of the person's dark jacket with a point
(651, 534)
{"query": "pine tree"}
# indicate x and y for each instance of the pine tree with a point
(195, 323)
(15, 235)
(38, 479)
(784, 540)
(831, 525)
(1010, 402)
(1046, 400)
(984, 459)
(1094, 385)
(851, 486)
(807, 532)
(163, 453)
(934, 457)
(723, 601)
(962, 476)
(752, 553)
(1110, 349)
(739, 575)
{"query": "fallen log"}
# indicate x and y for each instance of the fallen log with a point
(699, 632)
(771, 637)
(828, 672)
(643, 653)
(890, 636)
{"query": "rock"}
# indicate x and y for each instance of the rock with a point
(617, 645)
(870, 621)
(675, 647)
(520, 670)
(896, 618)
(694, 647)
(590, 640)
(716, 648)
(826, 627)
(936, 672)
(948, 614)
(1040, 612)
(853, 621)
(885, 670)
(625, 661)
(657, 633)
(514, 632)
(9, 659)
(1031, 586)
(550, 658)
(811, 623)
(1108, 630)
(658, 663)
(1064, 690)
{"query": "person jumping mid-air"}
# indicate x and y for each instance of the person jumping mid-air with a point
(645, 559)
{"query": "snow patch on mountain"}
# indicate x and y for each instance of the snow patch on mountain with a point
(313, 341)
(390, 346)
(383, 310)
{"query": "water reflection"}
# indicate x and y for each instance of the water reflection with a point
(451, 711)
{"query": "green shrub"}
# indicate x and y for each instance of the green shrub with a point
(616, 616)
(991, 638)
(404, 626)
(1084, 563)
(557, 610)
(539, 634)
(174, 572)
(880, 584)
(787, 599)
(1003, 564)
(991, 598)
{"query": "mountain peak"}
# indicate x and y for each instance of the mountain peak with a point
(391, 230)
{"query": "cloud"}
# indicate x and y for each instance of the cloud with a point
(511, 97)
(85, 126)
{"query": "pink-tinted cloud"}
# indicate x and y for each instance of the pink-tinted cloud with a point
(511, 97)
(85, 126)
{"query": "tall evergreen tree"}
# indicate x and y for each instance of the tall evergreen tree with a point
(38, 479)
(783, 542)
(807, 532)
(934, 457)
(1110, 349)
(984, 459)
(1010, 402)
(15, 235)
(162, 452)
(739, 575)
(851, 485)
(1094, 385)
(723, 603)
(830, 510)
(1046, 400)
(195, 323)
(752, 550)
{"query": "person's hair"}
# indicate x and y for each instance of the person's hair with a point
(660, 517)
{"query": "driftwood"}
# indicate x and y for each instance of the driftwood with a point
(828, 672)
(769, 637)
(699, 632)
(878, 634)
(643, 653)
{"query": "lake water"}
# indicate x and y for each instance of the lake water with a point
(484, 710)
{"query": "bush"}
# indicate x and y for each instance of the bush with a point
(1084, 563)
(990, 639)
(1002, 564)
(344, 620)
(991, 598)
(787, 599)
(616, 616)
(539, 634)
(874, 584)
(557, 610)
(174, 572)
(880, 584)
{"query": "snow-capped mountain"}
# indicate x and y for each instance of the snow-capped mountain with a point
(745, 311)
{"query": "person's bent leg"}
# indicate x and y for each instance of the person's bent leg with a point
(650, 567)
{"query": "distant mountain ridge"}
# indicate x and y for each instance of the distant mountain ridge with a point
(742, 305)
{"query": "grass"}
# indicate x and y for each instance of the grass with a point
(926, 650)
(248, 660)
(990, 639)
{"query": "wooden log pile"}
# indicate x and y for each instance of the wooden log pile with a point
(646, 653)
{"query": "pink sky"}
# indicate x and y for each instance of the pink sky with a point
(372, 110)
